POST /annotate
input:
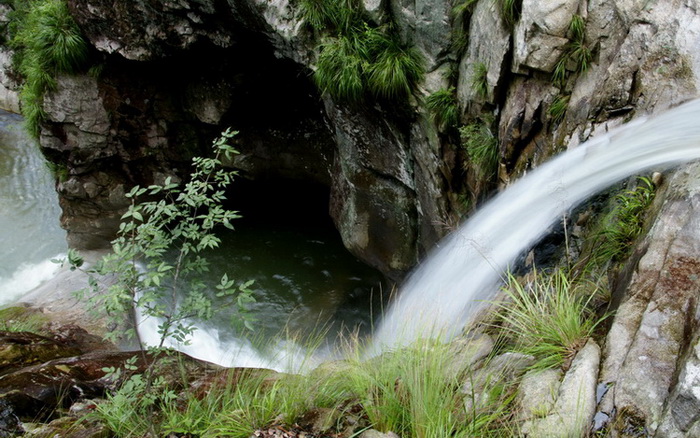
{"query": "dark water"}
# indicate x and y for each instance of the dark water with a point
(29, 213)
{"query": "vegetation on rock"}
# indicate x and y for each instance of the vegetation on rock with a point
(358, 59)
(47, 42)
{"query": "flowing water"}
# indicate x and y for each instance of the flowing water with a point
(464, 270)
(29, 214)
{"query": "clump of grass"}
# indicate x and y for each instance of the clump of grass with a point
(558, 108)
(482, 148)
(49, 42)
(622, 226)
(479, 80)
(548, 318)
(369, 61)
(393, 70)
(576, 53)
(443, 108)
(510, 11)
(358, 59)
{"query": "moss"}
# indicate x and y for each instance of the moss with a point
(22, 319)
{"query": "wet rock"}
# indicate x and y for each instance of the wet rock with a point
(505, 368)
(9, 423)
(489, 45)
(19, 350)
(37, 391)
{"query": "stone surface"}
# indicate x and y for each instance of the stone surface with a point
(540, 37)
(575, 403)
(657, 317)
(537, 393)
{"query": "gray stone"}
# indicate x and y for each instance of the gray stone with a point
(489, 43)
(655, 319)
(575, 405)
(537, 393)
(540, 35)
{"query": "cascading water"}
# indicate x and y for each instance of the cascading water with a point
(29, 228)
(464, 270)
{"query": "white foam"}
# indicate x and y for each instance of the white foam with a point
(27, 277)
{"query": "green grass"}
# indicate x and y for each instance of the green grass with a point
(367, 62)
(482, 148)
(357, 59)
(549, 317)
(443, 108)
(48, 42)
(510, 11)
(479, 80)
(558, 108)
(577, 56)
(619, 229)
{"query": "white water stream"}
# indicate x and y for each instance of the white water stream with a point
(465, 269)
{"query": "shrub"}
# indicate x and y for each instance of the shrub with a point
(159, 258)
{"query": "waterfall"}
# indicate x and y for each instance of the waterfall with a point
(463, 272)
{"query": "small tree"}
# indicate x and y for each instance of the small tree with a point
(158, 259)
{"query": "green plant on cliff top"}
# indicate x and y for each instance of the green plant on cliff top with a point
(48, 42)
(364, 61)
(159, 256)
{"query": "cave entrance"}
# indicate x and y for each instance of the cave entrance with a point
(305, 279)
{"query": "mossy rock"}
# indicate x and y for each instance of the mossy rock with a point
(23, 319)
(22, 349)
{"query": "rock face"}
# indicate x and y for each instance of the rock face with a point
(655, 331)
(174, 74)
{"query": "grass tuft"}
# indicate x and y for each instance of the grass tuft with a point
(620, 228)
(577, 55)
(558, 108)
(48, 42)
(480, 82)
(482, 147)
(510, 11)
(548, 318)
(443, 108)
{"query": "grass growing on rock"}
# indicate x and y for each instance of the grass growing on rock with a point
(48, 42)
(549, 317)
(443, 108)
